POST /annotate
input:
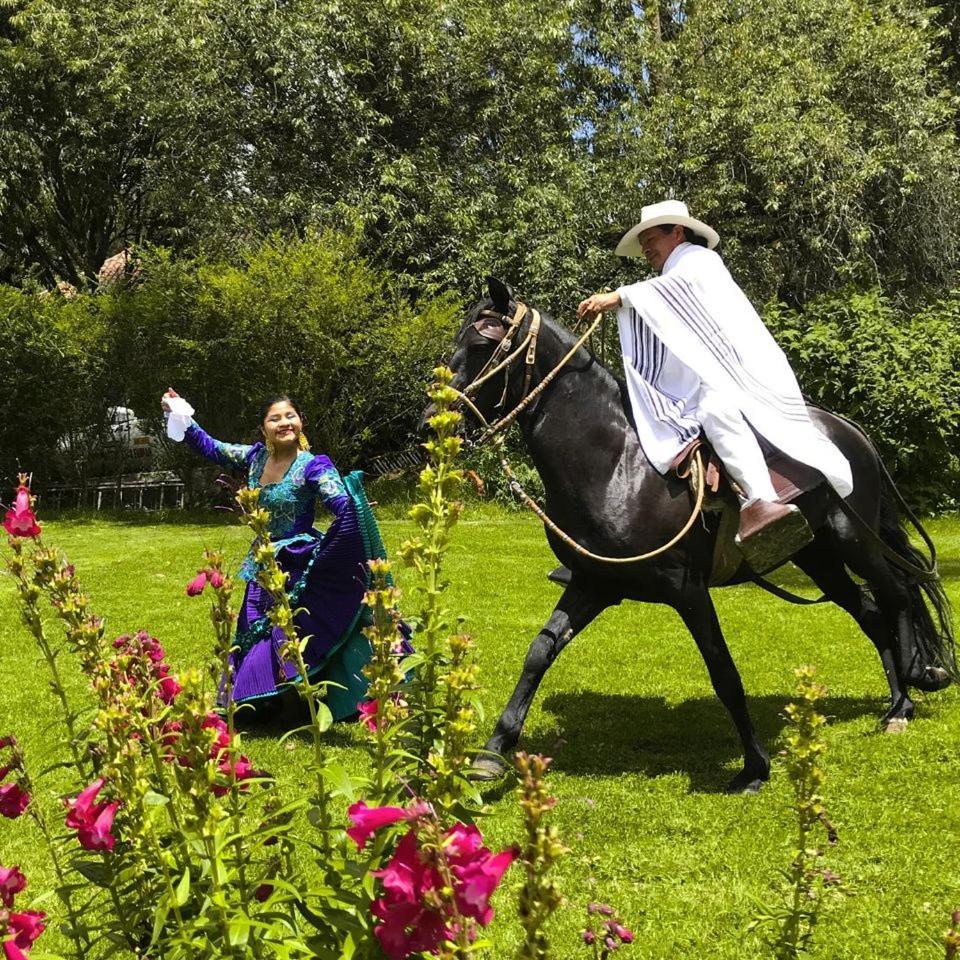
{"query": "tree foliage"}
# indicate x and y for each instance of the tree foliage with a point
(311, 318)
(818, 135)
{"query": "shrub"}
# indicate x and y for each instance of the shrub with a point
(305, 316)
(896, 372)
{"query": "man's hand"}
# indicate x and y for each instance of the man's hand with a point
(599, 303)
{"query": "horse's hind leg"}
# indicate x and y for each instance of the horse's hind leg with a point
(696, 608)
(577, 608)
(822, 564)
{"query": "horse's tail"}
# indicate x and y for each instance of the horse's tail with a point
(929, 652)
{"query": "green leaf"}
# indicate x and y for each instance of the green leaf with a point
(238, 931)
(341, 781)
(183, 888)
(95, 871)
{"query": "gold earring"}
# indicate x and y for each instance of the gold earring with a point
(304, 443)
(271, 447)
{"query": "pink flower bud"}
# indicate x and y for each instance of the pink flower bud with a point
(197, 584)
(13, 800)
(588, 937)
(216, 579)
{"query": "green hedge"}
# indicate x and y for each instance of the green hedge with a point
(307, 317)
(311, 317)
(895, 371)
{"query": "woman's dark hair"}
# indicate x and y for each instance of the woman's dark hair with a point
(279, 398)
(688, 234)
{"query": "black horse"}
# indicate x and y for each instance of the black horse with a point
(603, 492)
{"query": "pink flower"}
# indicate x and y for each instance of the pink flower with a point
(406, 876)
(169, 688)
(216, 579)
(97, 835)
(20, 520)
(12, 881)
(13, 800)
(367, 820)
(26, 927)
(478, 879)
(212, 722)
(242, 770)
(12, 952)
(368, 714)
(196, 585)
(92, 821)
(407, 928)
(411, 920)
(82, 810)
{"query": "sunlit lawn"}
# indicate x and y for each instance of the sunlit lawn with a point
(642, 749)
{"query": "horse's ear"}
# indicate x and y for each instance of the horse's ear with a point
(500, 294)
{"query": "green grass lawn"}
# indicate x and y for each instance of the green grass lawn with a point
(642, 749)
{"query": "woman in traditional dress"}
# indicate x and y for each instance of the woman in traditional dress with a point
(327, 573)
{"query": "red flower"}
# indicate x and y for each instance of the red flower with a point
(13, 800)
(478, 878)
(12, 881)
(196, 586)
(20, 520)
(26, 927)
(263, 892)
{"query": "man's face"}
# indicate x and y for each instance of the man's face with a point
(657, 245)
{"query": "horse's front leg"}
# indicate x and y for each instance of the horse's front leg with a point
(577, 608)
(696, 608)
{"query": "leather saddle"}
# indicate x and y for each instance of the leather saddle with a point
(790, 478)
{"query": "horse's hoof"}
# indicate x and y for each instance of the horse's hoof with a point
(487, 769)
(930, 679)
(746, 783)
(895, 724)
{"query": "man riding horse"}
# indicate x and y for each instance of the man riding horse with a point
(697, 357)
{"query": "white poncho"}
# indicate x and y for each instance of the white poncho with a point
(693, 326)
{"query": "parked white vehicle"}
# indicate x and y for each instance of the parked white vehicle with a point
(118, 444)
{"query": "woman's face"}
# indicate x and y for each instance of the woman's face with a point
(282, 425)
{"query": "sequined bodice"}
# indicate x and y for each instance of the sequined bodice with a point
(290, 501)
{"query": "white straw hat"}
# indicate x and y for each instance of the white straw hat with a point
(668, 211)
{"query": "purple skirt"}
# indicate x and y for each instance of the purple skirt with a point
(326, 579)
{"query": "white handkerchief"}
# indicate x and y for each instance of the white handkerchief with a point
(179, 418)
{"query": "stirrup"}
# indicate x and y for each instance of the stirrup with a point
(776, 543)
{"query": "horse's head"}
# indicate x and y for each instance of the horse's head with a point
(480, 344)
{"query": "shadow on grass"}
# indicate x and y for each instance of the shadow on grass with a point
(609, 734)
(201, 516)
(275, 716)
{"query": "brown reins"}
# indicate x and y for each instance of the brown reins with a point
(495, 431)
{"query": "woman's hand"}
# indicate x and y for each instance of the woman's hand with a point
(163, 400)
(599, 303)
